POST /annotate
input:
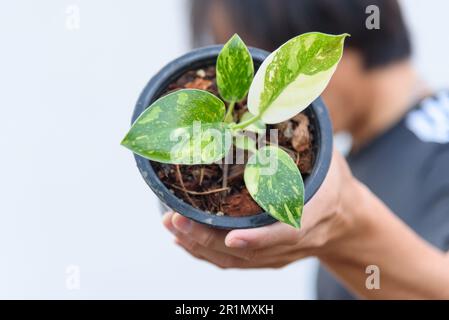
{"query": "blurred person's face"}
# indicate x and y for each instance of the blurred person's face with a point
(347, 91)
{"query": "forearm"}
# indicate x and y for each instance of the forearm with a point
(346, 227)
(409, 267)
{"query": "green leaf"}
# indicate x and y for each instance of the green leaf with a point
(294, 75)
(183, 127)
(235, 70)
(257, 127)
(275, 183)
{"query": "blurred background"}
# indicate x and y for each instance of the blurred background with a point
(76, 218)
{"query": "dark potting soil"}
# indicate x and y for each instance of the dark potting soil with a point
(219, 188)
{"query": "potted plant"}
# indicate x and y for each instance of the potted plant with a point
(231, 149)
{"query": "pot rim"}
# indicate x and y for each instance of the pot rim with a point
(199, 58)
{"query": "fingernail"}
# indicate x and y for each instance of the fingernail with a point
(182, 224)
(237, 243)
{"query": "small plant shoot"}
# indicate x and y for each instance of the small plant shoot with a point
(191, 126)
(235, 72)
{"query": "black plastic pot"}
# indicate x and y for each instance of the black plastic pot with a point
(201, 58)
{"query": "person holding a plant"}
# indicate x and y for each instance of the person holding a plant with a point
(390, 206)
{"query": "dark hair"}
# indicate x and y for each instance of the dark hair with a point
(270, 23)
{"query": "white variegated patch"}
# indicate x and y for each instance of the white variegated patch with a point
(297, 96)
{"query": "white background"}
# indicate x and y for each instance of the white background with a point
(70, 195)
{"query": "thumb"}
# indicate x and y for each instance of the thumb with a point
(267, 236)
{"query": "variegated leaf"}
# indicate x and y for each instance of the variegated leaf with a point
(235, 70)
(275, 183)
(183, 127)
(294, 75)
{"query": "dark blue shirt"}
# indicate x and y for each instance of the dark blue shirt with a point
(407, 167)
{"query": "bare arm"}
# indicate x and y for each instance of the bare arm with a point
(410, 268)
(346, 227)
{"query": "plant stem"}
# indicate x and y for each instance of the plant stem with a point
(201, 176)
(246, 123)
(229, 117)
(225, 176)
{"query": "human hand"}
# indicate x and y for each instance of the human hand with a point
(323, 223)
